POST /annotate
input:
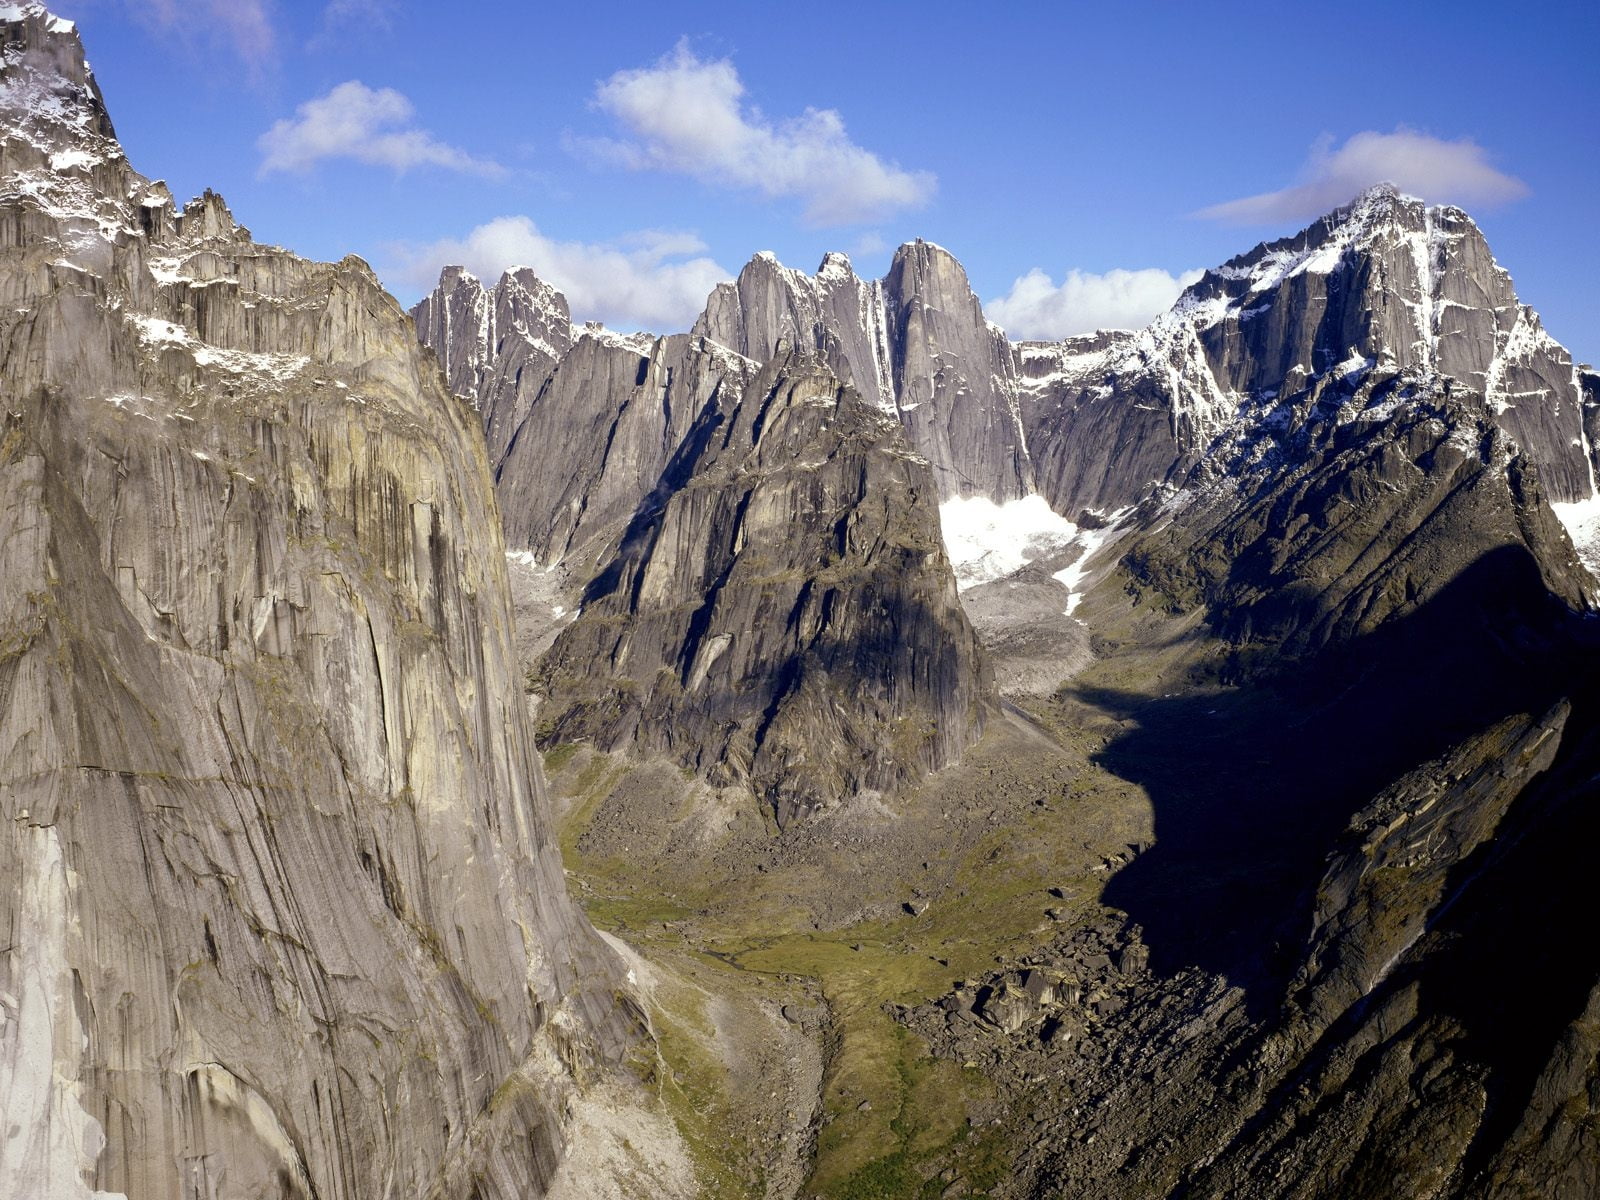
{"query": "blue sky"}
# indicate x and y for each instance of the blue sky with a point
(634, 153)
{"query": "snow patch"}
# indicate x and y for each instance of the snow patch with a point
(1072, 577)
(63, 160)
(988, 541)
(1581, 519)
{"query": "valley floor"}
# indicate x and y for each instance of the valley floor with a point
(789, 971)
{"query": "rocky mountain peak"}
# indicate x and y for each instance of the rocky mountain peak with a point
(533, 308)
(496, 345)
(930, 262)
(1384, 284)
(44, 72)
(780, 613)
(57, 143)
(915, 341)
(240, 492)
(835, 267)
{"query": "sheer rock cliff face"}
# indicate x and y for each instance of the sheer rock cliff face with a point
(915, 341)
(613, 414)
(612, 410)
(787, 533)
(286, 917)
(497, 346)
(781, 612)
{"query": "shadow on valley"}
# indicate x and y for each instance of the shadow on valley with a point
(1252, 785)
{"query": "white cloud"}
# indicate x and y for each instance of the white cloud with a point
(245, 25)
(1083, 302)
(647, 280)
(686, 115)
(1442, 171)
(370, 126)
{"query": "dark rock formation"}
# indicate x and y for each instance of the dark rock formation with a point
(1368, 502)
(283, 913)
(781, 612)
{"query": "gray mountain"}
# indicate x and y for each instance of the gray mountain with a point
(284, 913)
(1376, 497)
(497, 346)
(612, 409)
(916, 342)
(1385, 284)
(853, 666)
(781, 613)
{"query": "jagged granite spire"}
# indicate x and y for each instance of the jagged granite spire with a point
(781, 613)
(916, 341)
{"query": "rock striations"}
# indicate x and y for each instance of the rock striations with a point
(915, 341)
(284, 913)
(852, 665)
(781, 612)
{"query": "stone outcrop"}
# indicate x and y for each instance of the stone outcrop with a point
(611, 409)
(781, 612)
(497, 345)
(614, 415)
(916, 342)
(284, 915)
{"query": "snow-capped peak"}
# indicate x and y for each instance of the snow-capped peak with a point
(835, 268)
(23, 12)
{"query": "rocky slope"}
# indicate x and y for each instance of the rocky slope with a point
(286, 916)
(781, 612)
(1386, 284)
(1366, 503)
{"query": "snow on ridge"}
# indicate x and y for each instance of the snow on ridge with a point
(641, 342)
(835, 268)
(21, 12)
(153, 331)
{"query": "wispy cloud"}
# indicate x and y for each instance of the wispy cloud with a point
(652, 279)
(369, 126)
(687, 115)
(1433, 168)
(246, 27)
(342, 19)
(1036, 307)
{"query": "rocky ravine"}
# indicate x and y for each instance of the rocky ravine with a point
(286, 917)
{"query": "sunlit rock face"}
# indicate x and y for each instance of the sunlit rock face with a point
(283, 914)
(915, 342)
(1384, 285)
